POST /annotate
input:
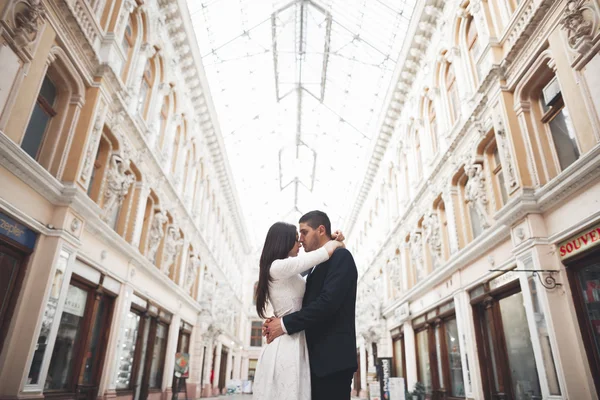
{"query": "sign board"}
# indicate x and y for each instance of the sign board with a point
(397, 389)
(503, 279)
(182, 365)
(16, 231)
(385, 373)
(579, 243)
(75, 301)
(374, 391)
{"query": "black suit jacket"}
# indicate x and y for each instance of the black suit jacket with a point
(328, 315)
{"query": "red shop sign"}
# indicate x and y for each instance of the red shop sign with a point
(579, 243)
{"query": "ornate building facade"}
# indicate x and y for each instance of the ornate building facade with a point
(476, 228)
(121, 240)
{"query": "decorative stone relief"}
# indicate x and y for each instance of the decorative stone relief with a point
(191, 272)
(118, 182)
(156, 233)
(28, 17)
(416, 254)
(432, 235)
(173, 243)
(579, 21)
(475, 193)
(92, 148)
(505, 155)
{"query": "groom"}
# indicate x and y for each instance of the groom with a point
(327, 314)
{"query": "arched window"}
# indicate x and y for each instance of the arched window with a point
(254, 293)
(43, 112)
(452, 94)
(127, 45)
(164, 115)
(176, 145)
(557, 120)
(473, 45)
(51, 127)
(494, 166)
(146, 89)
(433, 128)
(418, 154)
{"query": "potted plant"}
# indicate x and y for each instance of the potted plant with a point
(418, 392)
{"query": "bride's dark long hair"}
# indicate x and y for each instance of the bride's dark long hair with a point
(279, 242)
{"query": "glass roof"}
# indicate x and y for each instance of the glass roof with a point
(298, 88)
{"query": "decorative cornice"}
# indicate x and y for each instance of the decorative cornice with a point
(417, 38)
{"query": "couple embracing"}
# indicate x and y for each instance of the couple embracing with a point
(311, 351)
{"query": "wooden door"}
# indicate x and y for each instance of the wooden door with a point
(12, 271)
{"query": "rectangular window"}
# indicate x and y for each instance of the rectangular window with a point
(256, 334)
(252, 368)
(454, 367)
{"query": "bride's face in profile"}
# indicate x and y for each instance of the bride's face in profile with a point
(296, 248)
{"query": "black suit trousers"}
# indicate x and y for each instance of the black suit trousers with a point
(336, 386)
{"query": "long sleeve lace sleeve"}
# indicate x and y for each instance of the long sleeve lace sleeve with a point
(282, 269)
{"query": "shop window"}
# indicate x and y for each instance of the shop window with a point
(506, 357)
(158, 355)
(142, 358)
(557, 119)
(439, 362)
(131, 328)
(584, 279)
(12, 272)
(398, 356)
(452, 94)
(256, 334)
(48, 319)
(43, 112)
(80, 344)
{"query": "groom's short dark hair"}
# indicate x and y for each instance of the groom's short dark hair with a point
(316, 218)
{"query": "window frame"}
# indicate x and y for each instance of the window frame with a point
(46, 108)
(452, 93)
(256, 326)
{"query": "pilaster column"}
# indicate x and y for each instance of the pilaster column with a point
(363, 372)
(215, 383)
(228, 369)
(169, 366)
(237, 366)
(449, 196)
(183, 261)
(410, 350)
(208, 360)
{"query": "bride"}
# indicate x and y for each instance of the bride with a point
(283, 370)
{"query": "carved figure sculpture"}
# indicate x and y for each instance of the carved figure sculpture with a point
(118, 182)
(173, 242)
(475, 193)
(416, 254)
(192, 268)
(431, 229)
(156, 233)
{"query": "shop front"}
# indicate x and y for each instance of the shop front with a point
(506, 354)
(581, 256)
(16, 244)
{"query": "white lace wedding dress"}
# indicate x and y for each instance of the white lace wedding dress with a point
(283, 370)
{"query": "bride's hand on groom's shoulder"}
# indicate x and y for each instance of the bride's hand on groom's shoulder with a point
(338, 235)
